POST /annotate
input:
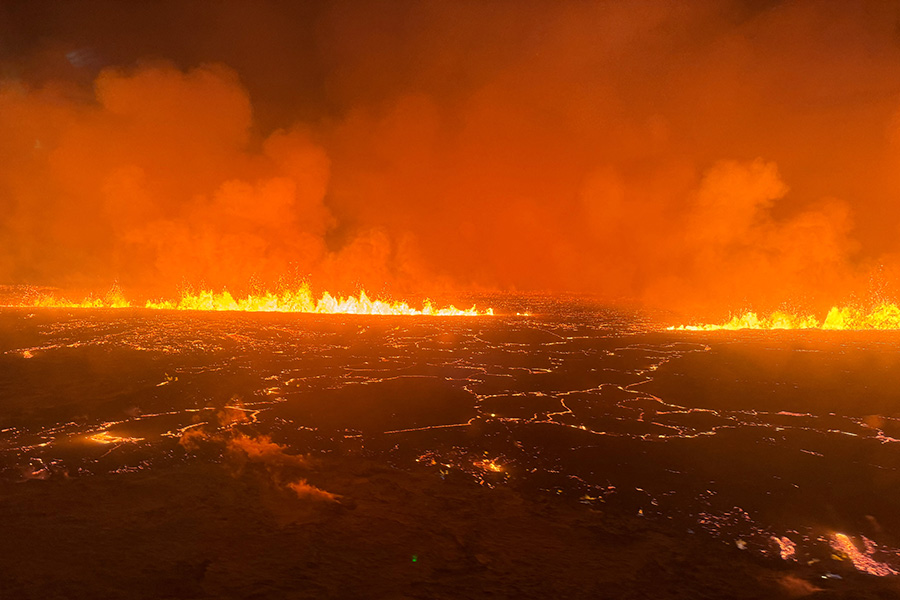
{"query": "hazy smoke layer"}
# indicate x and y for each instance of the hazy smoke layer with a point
(717, 153)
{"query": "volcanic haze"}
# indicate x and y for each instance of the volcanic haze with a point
(681, 154)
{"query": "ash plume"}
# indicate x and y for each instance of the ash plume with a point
(677, 154)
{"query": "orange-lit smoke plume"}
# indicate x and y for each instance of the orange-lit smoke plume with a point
(243, 452)
(719, 154)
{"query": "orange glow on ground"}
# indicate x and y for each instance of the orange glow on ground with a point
(885, 316)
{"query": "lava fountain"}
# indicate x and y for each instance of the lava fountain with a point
(300, 300)
(885, 316)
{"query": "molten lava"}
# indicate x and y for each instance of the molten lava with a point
(884, 316)
(300, 300)
(489, 465)
(843, 545)
(105, 437)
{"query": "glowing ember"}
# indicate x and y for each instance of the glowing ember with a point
(489, 465)
(105, 437)
(883, 317)
(300, 300)
(786, 548)
(862, 561)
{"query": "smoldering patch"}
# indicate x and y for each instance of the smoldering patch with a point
(244, 450)
(193, 439)
(304, 490)
(229, 415)
(257, 457)
(795, 587)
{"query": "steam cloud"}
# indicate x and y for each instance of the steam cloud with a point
(681, 154)
(254, 452)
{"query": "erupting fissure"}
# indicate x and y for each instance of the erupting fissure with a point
(884, 316)
(300, 300)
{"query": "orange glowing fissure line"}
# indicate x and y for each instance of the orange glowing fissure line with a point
(885, 316)
(300, 300)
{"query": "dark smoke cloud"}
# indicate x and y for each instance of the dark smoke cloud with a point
(678, 153)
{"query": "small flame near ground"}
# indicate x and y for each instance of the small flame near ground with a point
(300, 300)
(884, 316)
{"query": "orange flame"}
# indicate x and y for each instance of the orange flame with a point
(300, 300)
(884, 316)
(113, 299)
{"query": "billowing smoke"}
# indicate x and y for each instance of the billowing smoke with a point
(682, 154)
(154, 180)
(283, 468)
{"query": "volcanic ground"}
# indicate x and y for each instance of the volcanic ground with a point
(573, 452)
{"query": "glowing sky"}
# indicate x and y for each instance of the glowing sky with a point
(678, 153)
